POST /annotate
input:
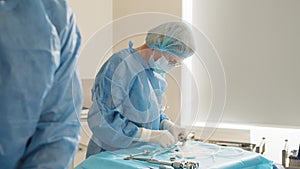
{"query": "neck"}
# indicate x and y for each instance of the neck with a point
(144, 51)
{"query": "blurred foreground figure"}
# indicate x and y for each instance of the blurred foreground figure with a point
(40, 91)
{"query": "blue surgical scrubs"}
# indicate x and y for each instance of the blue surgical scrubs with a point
(127, 94)
(40, 91)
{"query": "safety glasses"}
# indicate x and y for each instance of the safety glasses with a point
(174, 62)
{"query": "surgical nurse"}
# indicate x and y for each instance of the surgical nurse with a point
(40, 92)
(128, 90)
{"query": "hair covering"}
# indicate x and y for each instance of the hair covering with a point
(175, 38)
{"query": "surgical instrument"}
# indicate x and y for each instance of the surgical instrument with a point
(145, 152)
(182, 138)
(175, 165)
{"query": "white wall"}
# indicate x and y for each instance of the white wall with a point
(93, 16)
(126, 8)
(258, 43)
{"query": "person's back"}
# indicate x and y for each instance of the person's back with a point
(40, 90)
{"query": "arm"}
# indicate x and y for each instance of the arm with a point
(55, 140)
(124, 105)
(105, 115)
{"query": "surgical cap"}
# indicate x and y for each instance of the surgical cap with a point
(173, 37)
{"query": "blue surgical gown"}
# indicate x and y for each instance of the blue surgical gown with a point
(127, 94)
(40, 92)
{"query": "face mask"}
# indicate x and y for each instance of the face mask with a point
(161, 65)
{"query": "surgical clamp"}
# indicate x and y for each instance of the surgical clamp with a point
(175, 165)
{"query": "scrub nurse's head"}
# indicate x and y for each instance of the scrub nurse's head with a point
(171, 42)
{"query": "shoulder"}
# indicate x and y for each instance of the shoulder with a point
(59, 13)
(116, 61)
(119, 57)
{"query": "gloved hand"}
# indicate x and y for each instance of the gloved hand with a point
(174, 129)
(161, 137)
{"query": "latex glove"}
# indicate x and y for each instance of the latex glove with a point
(174, 129)
(161, 137)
